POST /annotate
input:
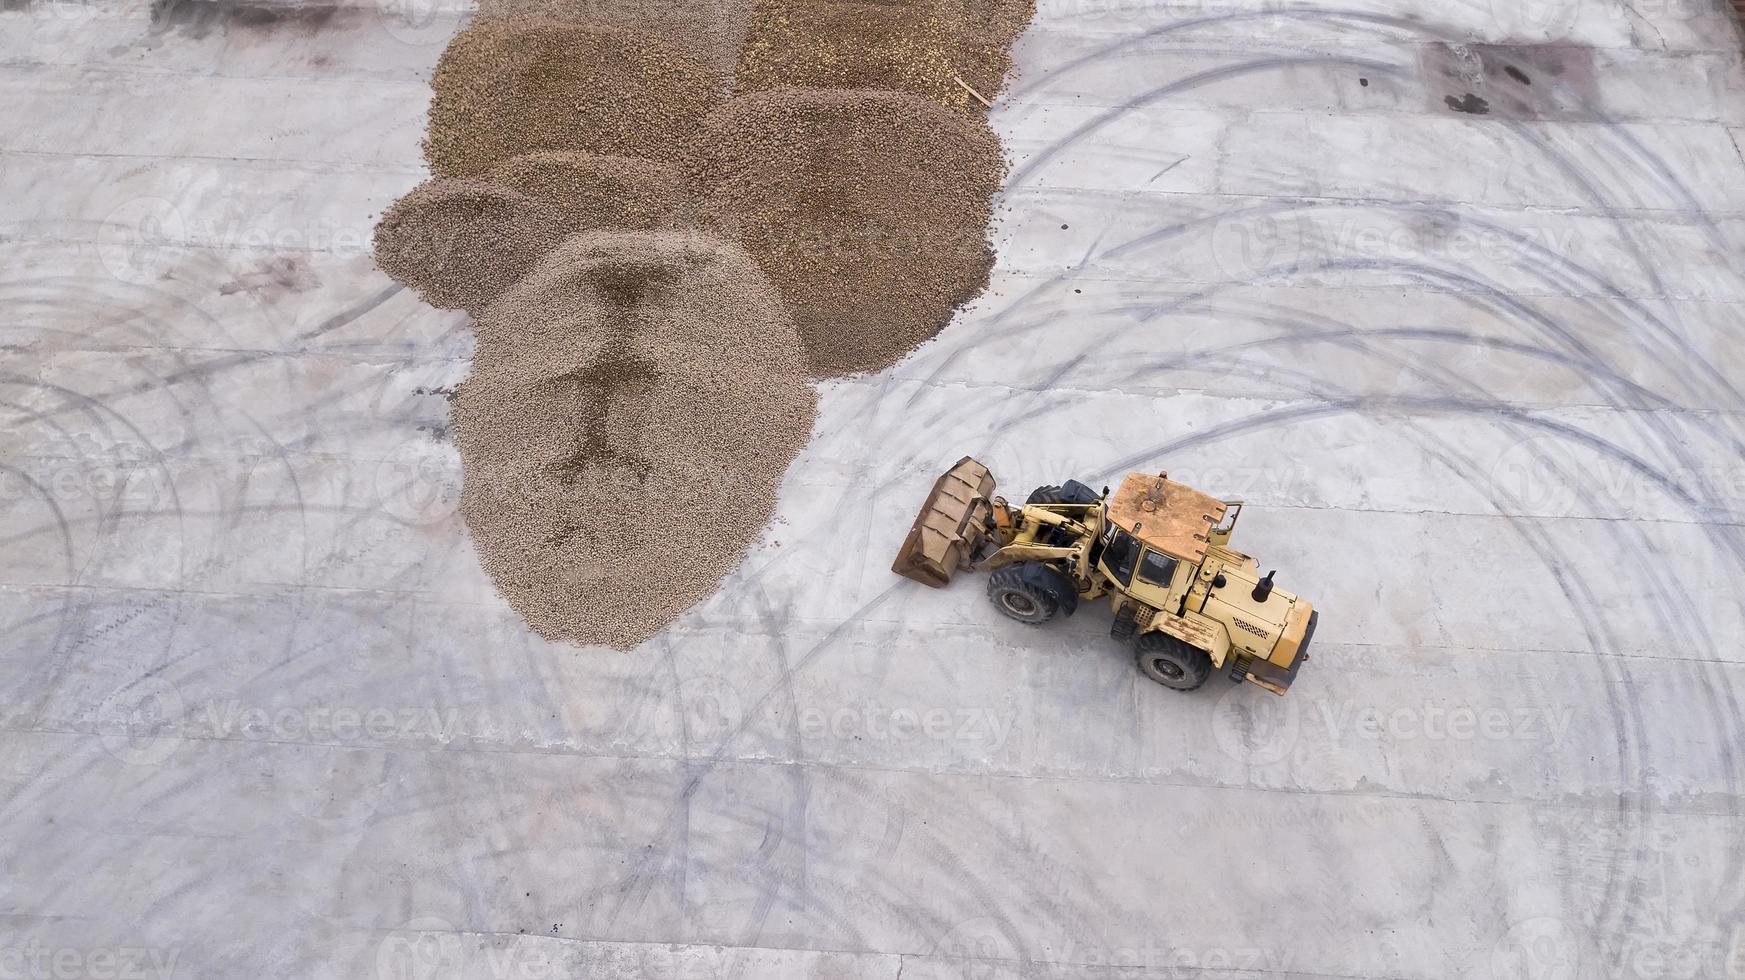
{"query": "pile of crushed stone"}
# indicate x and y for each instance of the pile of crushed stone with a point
(506, 87)
(657, 273)
(712, 30)
(461, 242)
(590, 192)
(929, 48)
(869, 210)
(623, 439)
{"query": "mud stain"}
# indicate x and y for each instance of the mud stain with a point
(1468, 103)
(1513, 81)
(274, 279)
(199, 19)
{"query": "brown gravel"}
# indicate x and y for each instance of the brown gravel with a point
(869, 210)
(461, 242)
(593, 192)
(712, 30)
(638, 390)
(999, 22)
(507, 87)
(633, 406)
(917, 46)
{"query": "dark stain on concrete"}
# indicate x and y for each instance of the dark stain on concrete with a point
(1505, 76)
(274, 279)
(202, 18)
(1469, 103)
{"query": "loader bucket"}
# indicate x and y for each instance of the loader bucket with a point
(951, 526)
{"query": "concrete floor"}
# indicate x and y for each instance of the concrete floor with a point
(264, 716)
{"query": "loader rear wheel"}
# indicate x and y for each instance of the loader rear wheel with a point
(1072, 492)
(1019, 599)
(1173, 663)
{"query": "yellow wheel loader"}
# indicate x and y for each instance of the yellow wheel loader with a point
(1160, 551)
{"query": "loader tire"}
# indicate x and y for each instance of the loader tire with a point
(1046, 495)
(1073, 492)
(1173, 663)
(1011, 592)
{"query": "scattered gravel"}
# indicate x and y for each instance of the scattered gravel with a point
(632, 409)
(712, 30)
(869, 210)
(507, 87)
(594, 192)
(919, 46)
(461, 242)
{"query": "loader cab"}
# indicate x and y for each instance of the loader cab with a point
(1156, 535)
(1146, 573)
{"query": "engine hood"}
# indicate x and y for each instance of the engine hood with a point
(1256, 626)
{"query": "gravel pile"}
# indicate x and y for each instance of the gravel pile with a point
(503, 88)
(920, 46)
(591, 192)
(623, 439)
(461, 242)
(869, 210)
(999, 22)
(712, 30)
(657, 274)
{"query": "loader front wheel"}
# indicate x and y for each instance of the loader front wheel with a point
(1172, 663)
(1046, 495)
(1020, 599)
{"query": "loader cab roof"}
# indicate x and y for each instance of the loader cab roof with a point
(1165, 515)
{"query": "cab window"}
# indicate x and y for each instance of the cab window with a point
(1120, 556)
(1157, 568)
